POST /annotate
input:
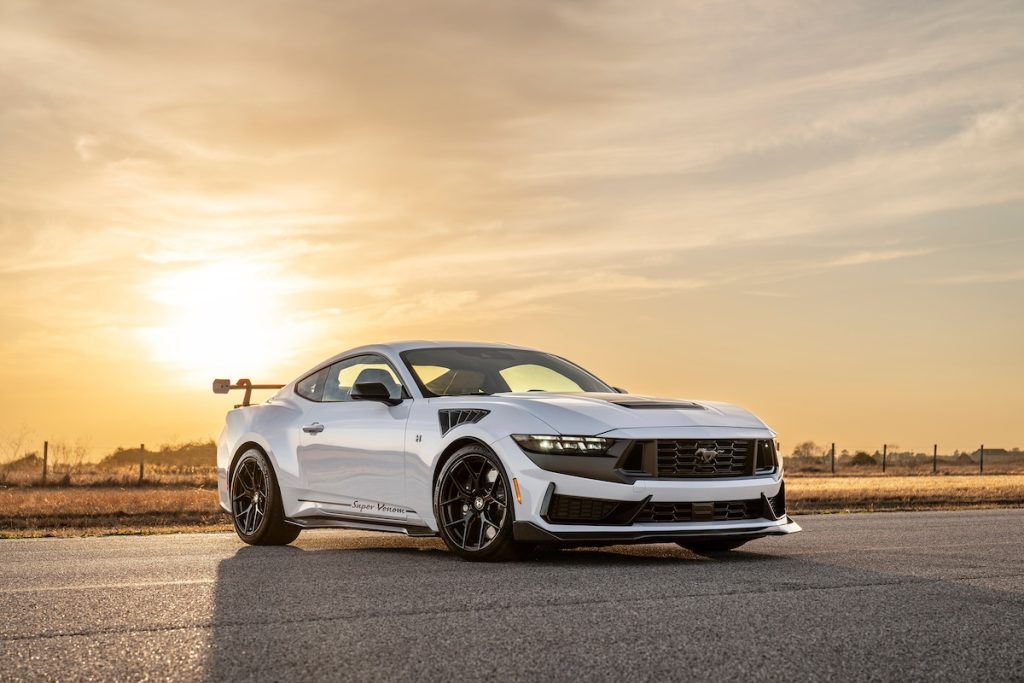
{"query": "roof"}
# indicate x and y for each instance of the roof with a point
(409, 345)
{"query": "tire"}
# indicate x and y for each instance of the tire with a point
(473, 507)
(710, 546)
(256, 509)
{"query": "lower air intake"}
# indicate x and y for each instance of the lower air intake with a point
(575, 510)
(717, 511)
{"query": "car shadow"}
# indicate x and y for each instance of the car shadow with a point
(344, 606)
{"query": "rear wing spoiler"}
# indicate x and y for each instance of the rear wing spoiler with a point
(223, 386)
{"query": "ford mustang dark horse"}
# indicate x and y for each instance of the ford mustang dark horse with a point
(495, 448)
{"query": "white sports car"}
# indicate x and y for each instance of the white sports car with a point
(496, 449)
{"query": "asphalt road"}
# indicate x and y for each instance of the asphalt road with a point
(910, 596)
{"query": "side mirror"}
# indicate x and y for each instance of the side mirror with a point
(620, 390)
(372, 391)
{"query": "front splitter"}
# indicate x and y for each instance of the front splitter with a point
(532, 533)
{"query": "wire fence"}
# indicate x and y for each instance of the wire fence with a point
(57, 464)
(888, 461)
(193, 464)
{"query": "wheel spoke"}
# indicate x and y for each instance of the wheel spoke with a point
(477, 480)
(247, 472)
(468, 469)
(462, 489)
(240, 516)
(465, 529)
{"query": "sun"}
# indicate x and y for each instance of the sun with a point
(223, 320)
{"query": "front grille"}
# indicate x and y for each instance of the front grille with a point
(718, 511)
(704, 457)
(574, 510)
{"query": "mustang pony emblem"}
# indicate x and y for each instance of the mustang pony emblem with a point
(707, 455)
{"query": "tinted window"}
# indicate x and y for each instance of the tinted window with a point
(483, 370)
(343, 375)
(312, 387)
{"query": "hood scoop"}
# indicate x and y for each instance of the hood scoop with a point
(655, 404)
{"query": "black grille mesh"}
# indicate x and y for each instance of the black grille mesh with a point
(573, 509)
(704, 457)
(718, 511)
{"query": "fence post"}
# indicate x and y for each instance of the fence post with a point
(833, 457)
(981, 462)
(142, 462)
(46, 457)
(935, 458)
(885, 448)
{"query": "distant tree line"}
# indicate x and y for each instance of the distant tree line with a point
(190, 454)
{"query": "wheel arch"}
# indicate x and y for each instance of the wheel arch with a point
(450, 450)
(242, 449)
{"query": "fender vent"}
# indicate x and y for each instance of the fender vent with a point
(450, 419)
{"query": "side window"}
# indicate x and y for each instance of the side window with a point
(312, 386)
(343, 375)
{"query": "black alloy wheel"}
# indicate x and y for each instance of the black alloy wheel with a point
(249, 496)
(256, 508)
(473, 500)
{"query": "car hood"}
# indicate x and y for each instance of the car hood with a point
(595, 413)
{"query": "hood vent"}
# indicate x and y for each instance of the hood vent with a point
(450, 419)
(658, 405)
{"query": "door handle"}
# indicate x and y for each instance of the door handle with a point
(314, 428)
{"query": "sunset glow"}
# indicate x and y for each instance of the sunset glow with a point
(223, 319)
(675, 196)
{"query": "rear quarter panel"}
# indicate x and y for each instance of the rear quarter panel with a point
(273, 427)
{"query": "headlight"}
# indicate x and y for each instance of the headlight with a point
(564, 445)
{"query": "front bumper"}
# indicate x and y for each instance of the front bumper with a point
(643, 510)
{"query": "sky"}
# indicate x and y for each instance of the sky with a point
(811, 209)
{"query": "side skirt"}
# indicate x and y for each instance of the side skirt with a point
(347, 522)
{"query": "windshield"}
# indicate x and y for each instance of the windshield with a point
(484, 370)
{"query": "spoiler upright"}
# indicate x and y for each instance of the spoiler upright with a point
(223, 386)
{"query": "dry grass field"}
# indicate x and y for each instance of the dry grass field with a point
(810, 494)
(106, 476)
(64, 511)
(96, 510)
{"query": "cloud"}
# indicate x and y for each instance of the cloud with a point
(413, 162)
(865, 257)
(983, 278)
